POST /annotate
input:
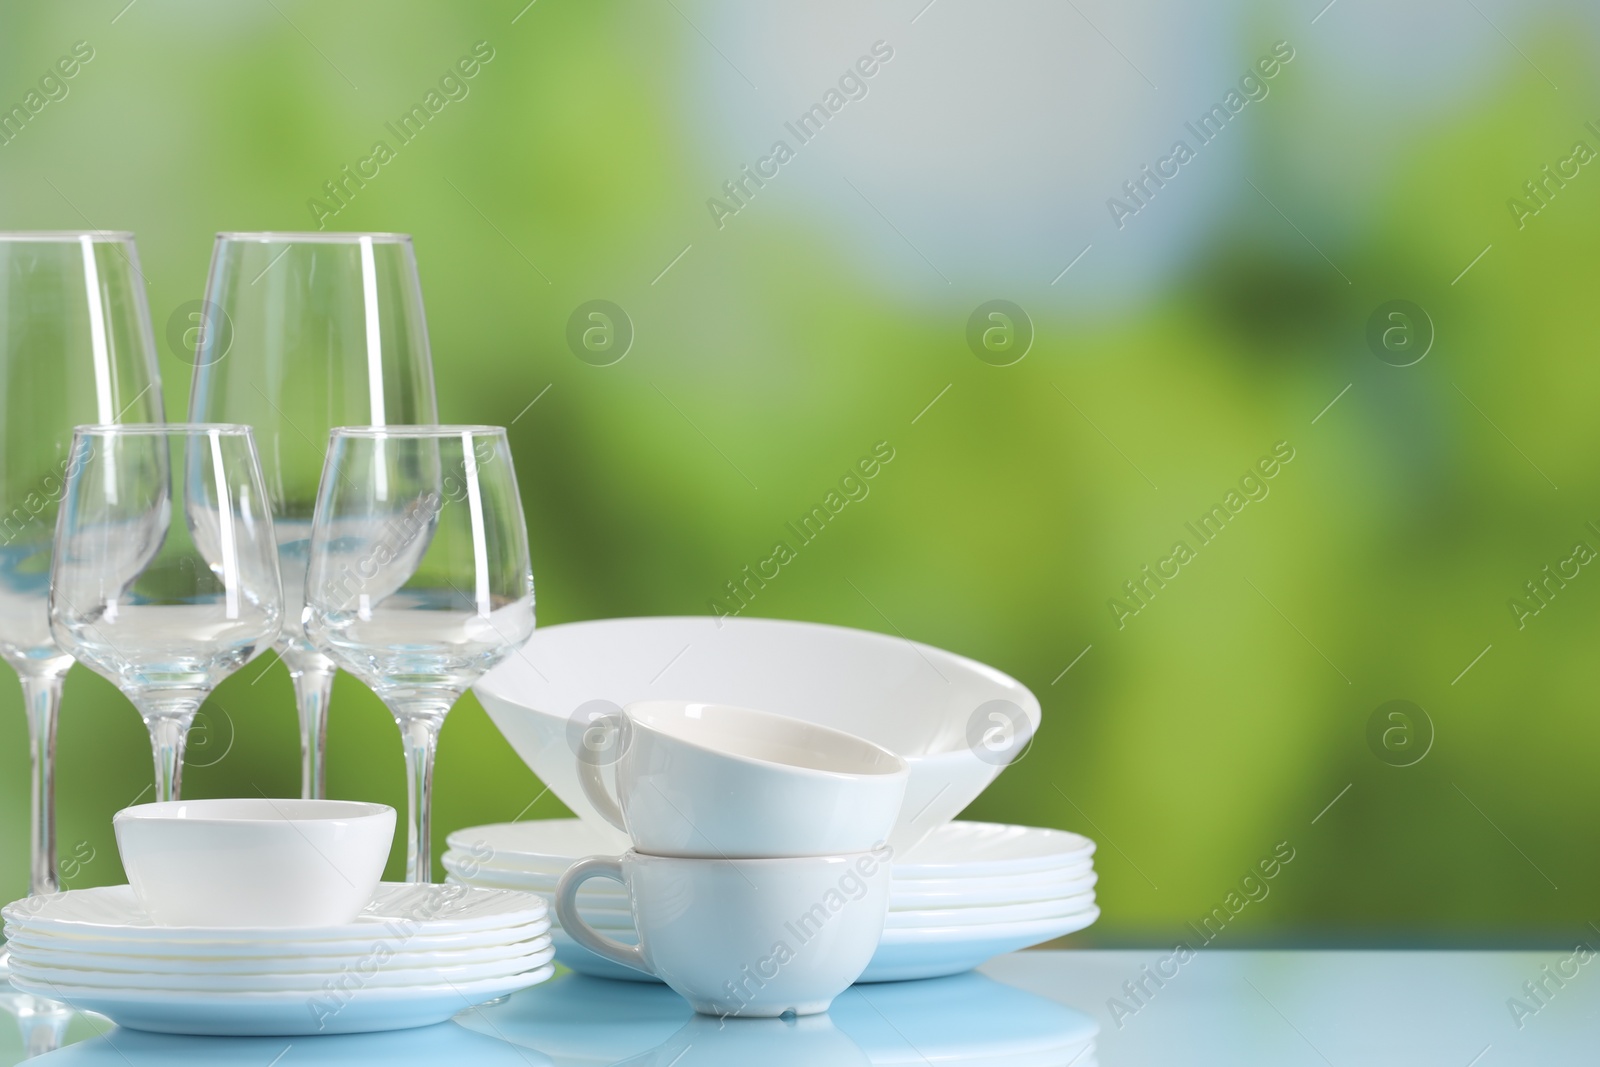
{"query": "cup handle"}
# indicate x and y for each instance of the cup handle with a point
(580, 931)
(594, 787)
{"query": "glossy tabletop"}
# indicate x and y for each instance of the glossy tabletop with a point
(1454, 1009)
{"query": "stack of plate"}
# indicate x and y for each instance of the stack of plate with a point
(417, 955)
(969, 892)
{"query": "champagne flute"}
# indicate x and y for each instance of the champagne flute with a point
(299, 333)
(75, 347)
(165, 572)
(419, 580)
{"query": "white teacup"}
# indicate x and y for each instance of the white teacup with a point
(698, 779)
(748, 937)
(253, 862)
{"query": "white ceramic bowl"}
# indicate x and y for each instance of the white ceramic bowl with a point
(919, 702)
(252, 862)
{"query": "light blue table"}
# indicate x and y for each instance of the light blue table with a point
(1452, 1009)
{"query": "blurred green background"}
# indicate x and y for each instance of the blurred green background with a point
(1232, 712)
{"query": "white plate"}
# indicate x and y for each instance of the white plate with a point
(609, 913)
(114, 946)
(545, 848)
(907, 894)
(928, 952)
(914, 893)
(939, 919)
(932, 952)
(543, 884)
(510, 876)
(537, 845)
(982, 849)
(284, 1014)
(999, 915)
(113, 913)
(934, 918)
(371, 976)
(915, 700)
(70, 952)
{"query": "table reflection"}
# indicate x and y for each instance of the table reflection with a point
(573, 1019)
(41, 1023)
(965, 1019)
(427, 1046)
(1289, 1008)
(703, 1041)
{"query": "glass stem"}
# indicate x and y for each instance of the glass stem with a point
(169, 729)
(419, 731)
(42, 695)
(313, 684)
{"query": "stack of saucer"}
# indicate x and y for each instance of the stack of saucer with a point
(417, 954)
(969, 892)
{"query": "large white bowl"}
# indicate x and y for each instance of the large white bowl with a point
(917, 701)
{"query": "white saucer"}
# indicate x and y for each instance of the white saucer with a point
(600, 895)
(913, 893)
(285, 1014)
(998, 915)
(113, 913)
(924, 952)
(541, 849)
(986, 849)
(969, 892)
(609, 918)
(1002, 916)
(397, 953)
(535, 845)
(933, 952)
(307, 984)
(474, 873)
(241, 950)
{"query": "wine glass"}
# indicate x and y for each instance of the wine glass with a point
(165, 573)
(299, 333)
(419, 579)
(75, 347)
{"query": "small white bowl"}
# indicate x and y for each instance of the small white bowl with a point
(253, 862)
